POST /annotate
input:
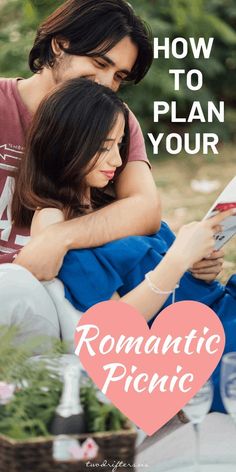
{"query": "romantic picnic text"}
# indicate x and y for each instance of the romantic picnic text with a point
(192, 344)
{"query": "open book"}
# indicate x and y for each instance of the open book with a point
(225, 201)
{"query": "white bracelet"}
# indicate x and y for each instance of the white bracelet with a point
(155, 289)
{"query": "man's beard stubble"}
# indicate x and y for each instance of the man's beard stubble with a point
(60, 67)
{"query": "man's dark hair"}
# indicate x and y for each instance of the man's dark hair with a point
(92, 28)
(68, 130)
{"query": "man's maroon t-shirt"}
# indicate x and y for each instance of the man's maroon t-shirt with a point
(15, 120)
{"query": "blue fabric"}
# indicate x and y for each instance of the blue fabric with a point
(93, 275)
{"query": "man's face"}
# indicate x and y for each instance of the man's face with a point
(109, 70)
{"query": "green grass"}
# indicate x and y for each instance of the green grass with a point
(180, 204)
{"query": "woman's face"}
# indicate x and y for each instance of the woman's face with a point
(109, 159)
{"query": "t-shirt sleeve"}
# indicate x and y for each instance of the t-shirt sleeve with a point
(137, 150)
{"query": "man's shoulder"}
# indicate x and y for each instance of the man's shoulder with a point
(134, 126)
(7, 91)
(12, 116)
(137, 150)
(7, 84)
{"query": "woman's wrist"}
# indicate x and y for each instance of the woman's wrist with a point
(177, 260)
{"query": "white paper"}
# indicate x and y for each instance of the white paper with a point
(225, 200)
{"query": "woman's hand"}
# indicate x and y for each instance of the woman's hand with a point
(195, 241)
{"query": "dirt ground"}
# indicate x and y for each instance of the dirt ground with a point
(182, 204)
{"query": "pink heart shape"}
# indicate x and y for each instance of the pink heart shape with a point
(150, 408)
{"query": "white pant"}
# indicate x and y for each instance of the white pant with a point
(39, 309)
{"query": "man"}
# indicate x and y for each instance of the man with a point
(103, 41)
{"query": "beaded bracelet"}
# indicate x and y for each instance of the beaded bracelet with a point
(157, 290)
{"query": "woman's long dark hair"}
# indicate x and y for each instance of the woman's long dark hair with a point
(92, 28)
(68, 130)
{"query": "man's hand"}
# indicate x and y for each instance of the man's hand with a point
(208, 269)
(43, 255)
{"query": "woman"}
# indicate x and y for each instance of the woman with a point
(77, 145)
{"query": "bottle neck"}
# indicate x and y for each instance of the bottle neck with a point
(70, 399)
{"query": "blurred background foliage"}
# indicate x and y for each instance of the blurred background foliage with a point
(184, 18)
(168, 18)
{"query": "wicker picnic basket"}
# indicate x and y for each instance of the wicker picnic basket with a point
(36, 455)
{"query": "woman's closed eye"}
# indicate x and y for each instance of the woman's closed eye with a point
(104, 149)
(107, 149)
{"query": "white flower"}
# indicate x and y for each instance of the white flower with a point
(6, 392)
